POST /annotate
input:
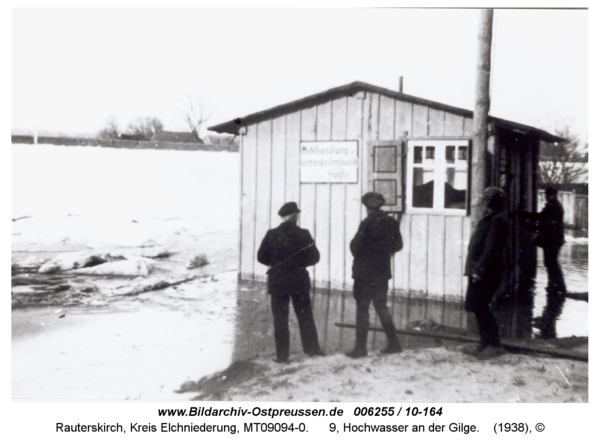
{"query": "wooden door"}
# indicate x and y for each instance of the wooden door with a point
(386, 170)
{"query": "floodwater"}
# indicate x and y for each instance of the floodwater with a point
(254, 325)
(137, 348)
(145, 348)
(574, 262)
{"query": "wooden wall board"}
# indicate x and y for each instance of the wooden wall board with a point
(308, 197)
(387, 118)
(468, 127)
(322, 233)
(292, 172)
(248, 258)
(263, 190)
(435, 256)
(278, 169)
(436, 123)
(453, 124)
(420, 127)
(337, 228)
(453, 258)
(418, 253)
(435, 310)
(353, 213)
(338, 246)
(403, 119)
(402, 258)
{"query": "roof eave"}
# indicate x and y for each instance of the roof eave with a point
(349, 90)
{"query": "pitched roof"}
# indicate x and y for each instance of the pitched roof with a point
(349, 90)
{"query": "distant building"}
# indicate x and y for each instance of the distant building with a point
(176, 137)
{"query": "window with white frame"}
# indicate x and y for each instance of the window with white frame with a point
(437, 176)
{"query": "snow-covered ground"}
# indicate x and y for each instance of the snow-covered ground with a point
(90, 196)
(119, 202)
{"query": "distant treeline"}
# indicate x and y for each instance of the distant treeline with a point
(120, 143)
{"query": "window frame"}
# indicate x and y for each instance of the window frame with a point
(439, 166)
(398, 175)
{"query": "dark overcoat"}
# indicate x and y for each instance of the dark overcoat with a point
(288, 250)
(378, 237)
(551, 225)
(486, 253)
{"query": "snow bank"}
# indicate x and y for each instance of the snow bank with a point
(132, 266)
(74, 260)
(59, 180)
(103, 197)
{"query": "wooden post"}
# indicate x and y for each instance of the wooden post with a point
(480, 116)
(480, 120)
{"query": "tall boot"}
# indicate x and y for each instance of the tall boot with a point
(387, 323)
(362, 331)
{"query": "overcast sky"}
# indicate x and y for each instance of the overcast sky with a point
(72, 68)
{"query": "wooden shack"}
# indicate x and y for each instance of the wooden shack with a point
(326, 150)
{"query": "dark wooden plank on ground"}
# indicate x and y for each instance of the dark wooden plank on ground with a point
(508, 345)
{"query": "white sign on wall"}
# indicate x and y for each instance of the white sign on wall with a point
(329, 162)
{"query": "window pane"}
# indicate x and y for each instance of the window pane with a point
(422, 188)
(418, 154)
(385, 159)
(462, 152)
(502, 161)
(450, 150)
(430, 152)
(455, 189)
(387, 188)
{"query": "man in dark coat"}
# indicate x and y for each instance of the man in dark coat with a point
(485, 269)
(551, 237)
(289, 250)
(378, 237)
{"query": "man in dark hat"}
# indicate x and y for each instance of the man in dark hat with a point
(485, 269)
(550, 237)
(378, 237)
(288, 250)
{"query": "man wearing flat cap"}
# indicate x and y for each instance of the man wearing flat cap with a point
(288, 250)
(377, 239)
(485, 269)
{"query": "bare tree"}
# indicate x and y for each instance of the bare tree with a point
(110, 129)
(144, 127)
(195, 113)
(564, 162)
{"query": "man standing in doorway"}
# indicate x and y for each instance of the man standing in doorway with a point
(485, 269)
(551, 237)
(288, 250)
(377, 239)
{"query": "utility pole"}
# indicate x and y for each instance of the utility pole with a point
(480, 121)
(480, 116)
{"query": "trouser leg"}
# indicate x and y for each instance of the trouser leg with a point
(555, 275)
(383, 312)
(280, 309)
(488, 328)
(362, 324)
(363, 301)
(306, 321)
(486, 322)
(555, 292)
